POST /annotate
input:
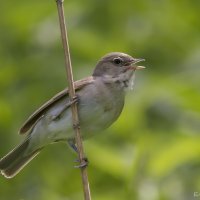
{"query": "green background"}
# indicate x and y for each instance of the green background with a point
(152, 152)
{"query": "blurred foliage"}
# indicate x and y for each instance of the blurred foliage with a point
(153, 151)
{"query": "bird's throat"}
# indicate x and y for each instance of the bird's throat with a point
(123, 81)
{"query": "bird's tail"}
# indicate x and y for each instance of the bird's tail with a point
(16, 159)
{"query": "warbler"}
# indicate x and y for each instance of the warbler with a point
(100, 100)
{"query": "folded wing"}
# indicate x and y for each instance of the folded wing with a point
(41, 111)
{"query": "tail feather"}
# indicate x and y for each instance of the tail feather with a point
(13, 155)
(15, 160)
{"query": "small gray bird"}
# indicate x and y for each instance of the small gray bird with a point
(100, 99)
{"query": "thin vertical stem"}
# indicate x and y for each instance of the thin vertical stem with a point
(72, 95)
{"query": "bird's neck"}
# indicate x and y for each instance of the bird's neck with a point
(121, 82)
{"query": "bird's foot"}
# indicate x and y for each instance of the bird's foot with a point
(84, 163)
(75, 100)
(76, 125)
(57, 116)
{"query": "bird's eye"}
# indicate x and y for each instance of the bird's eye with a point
(117, 61)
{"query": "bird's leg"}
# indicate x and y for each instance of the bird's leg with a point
(57, 116)
(72, 144)
(85, 162)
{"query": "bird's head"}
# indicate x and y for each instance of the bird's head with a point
(117, 64)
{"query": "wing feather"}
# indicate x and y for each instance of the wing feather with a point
(41, 111)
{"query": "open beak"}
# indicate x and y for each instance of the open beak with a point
(134, 61)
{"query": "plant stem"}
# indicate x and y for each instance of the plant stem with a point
(72, 95)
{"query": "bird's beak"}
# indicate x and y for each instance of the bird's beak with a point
(139, 67)
(134, 61)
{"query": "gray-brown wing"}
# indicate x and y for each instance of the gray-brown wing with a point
(41, 111)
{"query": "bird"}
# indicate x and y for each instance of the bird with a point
(100, 100)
